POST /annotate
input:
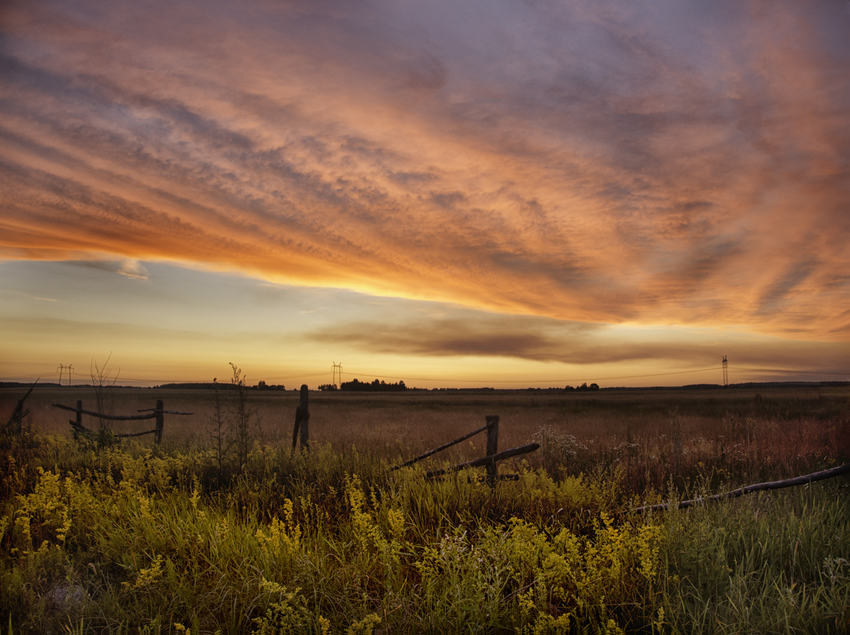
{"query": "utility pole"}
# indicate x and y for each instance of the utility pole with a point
(725, 371)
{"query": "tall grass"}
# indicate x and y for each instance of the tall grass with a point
(132, 539)
(770, 564)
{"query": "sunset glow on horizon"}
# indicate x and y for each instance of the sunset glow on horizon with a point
(475, 194)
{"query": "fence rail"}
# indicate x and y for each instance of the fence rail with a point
(490, 461)
(758, 487)
(152, 415)
(157, 413)
(445, 446)
(487, 461)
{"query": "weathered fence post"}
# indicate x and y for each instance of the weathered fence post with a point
(160, 422)
(302, 421)
(492, 446)
(305, 417)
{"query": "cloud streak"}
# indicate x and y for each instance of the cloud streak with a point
(578, 344)
(599, 163)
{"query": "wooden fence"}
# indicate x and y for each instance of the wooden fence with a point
(158, 414)
(490, 461)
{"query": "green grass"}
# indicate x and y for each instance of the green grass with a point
(774, 564)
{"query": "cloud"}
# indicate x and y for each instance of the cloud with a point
(540, 339)
(476, 334)
(28, 296)
(127, 268)
(600, 163)
(133, 269)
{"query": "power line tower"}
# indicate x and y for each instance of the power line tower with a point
(725, 371)
(65, 369)
(336, 373)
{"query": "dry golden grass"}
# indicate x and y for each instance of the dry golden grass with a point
(652, 434)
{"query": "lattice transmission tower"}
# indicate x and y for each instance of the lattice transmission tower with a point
(336, 373)
(725, 371)
(65, 369)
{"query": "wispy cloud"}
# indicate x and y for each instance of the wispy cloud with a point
(21, 294)
(128, 268)
(599, 163)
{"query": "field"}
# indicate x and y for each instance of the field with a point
(223, 529)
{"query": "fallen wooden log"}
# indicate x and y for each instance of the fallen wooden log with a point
(759, 487)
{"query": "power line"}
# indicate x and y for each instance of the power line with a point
(300, 375)
(742, 369)
(515, 381)
(846, 373)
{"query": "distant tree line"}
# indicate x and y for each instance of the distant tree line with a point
(376, 386)
(584, 387)
(262, 385)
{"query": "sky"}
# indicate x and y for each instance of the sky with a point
(486, 193)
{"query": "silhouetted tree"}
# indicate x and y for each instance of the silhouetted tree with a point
(585, 388)
(376, 386)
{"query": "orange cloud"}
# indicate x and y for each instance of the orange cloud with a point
(588, 164)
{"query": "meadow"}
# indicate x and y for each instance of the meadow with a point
(106, 536)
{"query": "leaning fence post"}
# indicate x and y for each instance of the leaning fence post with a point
(305, 417)
(160, 422)
(492, 446)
